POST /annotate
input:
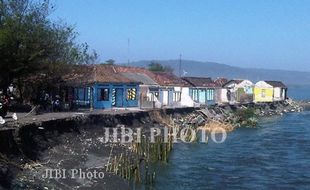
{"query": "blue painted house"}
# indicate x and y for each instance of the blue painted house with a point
(202, 90)
(101, 87)
(149, 89)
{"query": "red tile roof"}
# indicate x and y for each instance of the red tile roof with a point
(127, 69)
(169, 79)
(221, 81)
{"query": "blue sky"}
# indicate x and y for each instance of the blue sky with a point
(260, 34)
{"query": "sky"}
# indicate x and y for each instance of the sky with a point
(254, 34)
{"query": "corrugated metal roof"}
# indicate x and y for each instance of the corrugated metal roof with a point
(276, 84)
(140, 77)
(200, 81)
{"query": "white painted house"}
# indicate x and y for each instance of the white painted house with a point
(173, 91)
(279, 90)
(220, 92)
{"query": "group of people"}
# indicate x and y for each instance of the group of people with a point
(50, 103)
(46, 102)
(4, 104)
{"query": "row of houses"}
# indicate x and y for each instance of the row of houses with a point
(111, 86)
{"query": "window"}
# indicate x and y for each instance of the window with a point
(81, 94)
(153, 96)
(263, 93)
(103, 94)
(131, 94)
(194, 95)
(156, 94)
(176, 96)
(210, 94)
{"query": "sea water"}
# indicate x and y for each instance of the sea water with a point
(276, 155)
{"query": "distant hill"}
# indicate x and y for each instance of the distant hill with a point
(214, 70)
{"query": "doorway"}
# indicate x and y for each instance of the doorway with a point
(119, 97)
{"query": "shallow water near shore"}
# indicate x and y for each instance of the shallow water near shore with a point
(275, 155)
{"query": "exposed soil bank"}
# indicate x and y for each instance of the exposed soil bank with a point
(26, 142)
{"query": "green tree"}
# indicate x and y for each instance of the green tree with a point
(110, 62)
(31, 43)
(168, 69)
(157, 67)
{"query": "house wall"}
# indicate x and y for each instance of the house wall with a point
(242, 92)
(165, 96)
(186, 100)
(175, 97)
(218, 95)
(149, 97)
(277, 94)
(203, 96)
(262, 94)
(221, 95)
(284, 93)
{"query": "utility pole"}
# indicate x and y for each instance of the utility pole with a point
(180, 65)
(128, 52)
